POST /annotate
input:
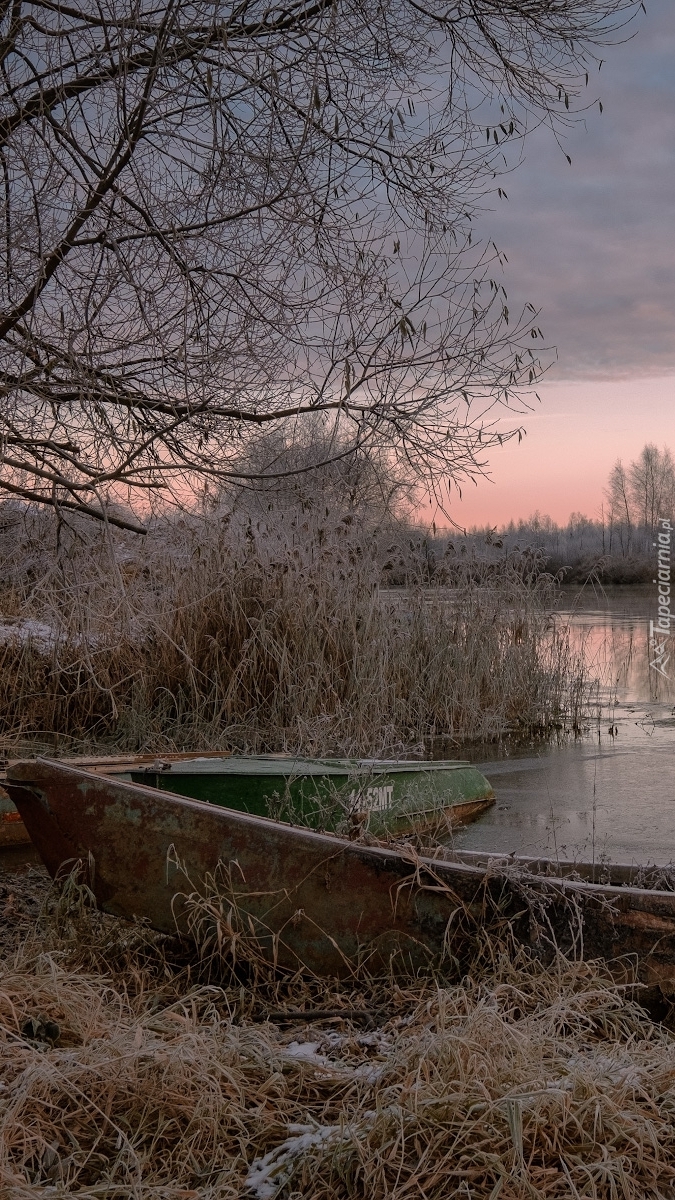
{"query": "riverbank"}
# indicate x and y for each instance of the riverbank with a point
(127, 1069)
(582, 552)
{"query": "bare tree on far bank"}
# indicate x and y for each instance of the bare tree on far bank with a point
(218, 219)
(644, 491)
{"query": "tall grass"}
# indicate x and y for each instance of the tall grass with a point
(273, 632)
(124, 1074)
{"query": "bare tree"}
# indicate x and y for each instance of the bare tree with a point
(618, 499)
(652, 485)
(643, 492)
(283, 476)
(219, 218)
(617, 493)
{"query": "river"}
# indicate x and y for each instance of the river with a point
(609, 794)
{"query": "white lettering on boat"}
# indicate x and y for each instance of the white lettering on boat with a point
(373, 799)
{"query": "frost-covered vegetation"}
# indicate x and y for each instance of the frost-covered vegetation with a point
(126, 1070)
(273, 624)
(618, 547)
(579, 552)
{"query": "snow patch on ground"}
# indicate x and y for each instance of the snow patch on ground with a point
(268, 1174)
(308, 1052)
(40, 635)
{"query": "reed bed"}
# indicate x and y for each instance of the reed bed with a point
(124, 1074)
(274, 633)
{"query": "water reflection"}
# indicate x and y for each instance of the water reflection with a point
(612, 629)
(610, 794)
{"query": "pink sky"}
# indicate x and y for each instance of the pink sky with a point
(573, 439)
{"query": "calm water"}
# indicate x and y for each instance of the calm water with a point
(611, 793)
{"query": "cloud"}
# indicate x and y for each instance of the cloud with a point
(593, 244)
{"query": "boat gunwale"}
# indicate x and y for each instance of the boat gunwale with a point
(106, 762)
(250, 768)
(119, 764)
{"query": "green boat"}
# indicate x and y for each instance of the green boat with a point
(352, 796)
(342, 795)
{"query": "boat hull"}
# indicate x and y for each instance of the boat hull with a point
(395, 798)
(319, 900)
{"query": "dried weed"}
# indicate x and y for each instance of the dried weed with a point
(275, 634)
(125, 1074)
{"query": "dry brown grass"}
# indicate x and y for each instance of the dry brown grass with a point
(517, 1082)
(224, 632)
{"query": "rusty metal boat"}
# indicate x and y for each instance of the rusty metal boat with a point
(324, 901)
(384, 796)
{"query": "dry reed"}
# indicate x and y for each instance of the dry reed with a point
(124, 1075)
(226, 632)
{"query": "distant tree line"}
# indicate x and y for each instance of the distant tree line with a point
(617, 547)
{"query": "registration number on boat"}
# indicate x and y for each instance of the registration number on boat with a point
(373, 799)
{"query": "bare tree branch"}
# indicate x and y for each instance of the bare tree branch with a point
(221, 221)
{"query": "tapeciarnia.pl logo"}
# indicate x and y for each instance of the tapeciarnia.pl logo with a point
(659, 630)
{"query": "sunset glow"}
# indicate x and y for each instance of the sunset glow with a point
(573, 439)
